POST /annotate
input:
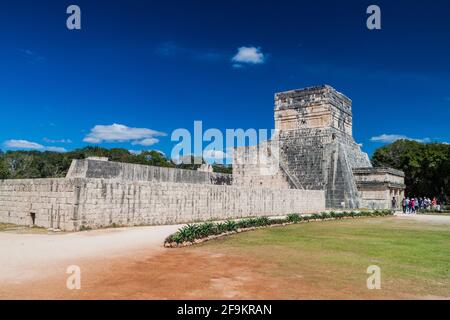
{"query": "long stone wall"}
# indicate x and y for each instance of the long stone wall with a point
(50, 202)
(73, 204)
(89, 168)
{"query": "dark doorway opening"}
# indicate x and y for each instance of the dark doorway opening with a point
(33, 218)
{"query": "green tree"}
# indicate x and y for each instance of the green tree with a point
(222, 168)
(4, 171)
(36, 164)
(426, 166)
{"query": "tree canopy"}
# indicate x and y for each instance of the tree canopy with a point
(426, 166)
(37, 164)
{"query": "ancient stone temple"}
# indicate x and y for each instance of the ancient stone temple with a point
(311, 163)
(313, 149)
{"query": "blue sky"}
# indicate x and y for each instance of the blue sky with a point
(138, 69)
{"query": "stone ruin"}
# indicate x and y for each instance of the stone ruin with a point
(311, 163)
(97, 193)
(313, 149)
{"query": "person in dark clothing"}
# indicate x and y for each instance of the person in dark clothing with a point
(393, 203)
(404, 205)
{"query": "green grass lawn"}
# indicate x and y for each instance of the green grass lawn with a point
(333, 256)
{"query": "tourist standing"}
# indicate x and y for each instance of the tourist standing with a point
(404, 205)
(411, 206)
(394, 204)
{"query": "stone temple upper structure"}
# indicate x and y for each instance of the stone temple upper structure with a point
(313, 149)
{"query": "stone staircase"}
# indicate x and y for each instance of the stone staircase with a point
(292, 178)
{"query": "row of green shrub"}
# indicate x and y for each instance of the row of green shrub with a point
(192, 232)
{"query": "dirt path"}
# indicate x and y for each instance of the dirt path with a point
(440, 219)
(30, 257)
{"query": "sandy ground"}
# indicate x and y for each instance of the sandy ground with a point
(131, 263)
(25, 257)
(425, 218)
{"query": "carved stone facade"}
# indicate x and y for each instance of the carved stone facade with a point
(377, 187)
(313, 148)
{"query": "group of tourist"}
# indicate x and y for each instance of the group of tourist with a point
(413, 204)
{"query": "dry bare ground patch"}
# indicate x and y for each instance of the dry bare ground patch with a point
(323, 260)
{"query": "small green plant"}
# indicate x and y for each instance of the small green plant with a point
(221, 228)
(315, 216)
(325, 215)
(206, 229)
(355, 214)
(230, 225)
(293, 217)
(277, 221)
(263, 221)
(188, 232)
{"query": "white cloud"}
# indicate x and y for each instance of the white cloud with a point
(29, 145)
(31, 56)
(145, 142)
(390, 138)
(215, 155)
(23, 144)
(121, 133)
(248, 55)
(57, 140)
(56, 149)
(137, 152)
